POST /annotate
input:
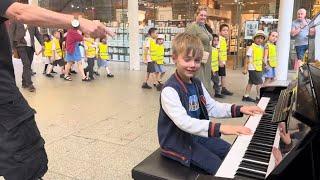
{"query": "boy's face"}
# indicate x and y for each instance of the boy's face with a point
(104, 40)
(160, 41)
(187, 66)
(273, 37)
(224, 31)
(215, 41)
(56, 35)
(258, 40)
(154, 35)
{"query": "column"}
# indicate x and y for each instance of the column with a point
(283, 44)
(133, 34)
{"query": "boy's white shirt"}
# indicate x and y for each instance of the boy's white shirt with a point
(147, 45)
(249, 55)
(171, 104)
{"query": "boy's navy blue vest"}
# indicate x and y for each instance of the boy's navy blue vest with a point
(175, 143)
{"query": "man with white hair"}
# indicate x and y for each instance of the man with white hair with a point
(300, 33)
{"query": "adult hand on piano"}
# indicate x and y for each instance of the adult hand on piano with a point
(234, 130)
(251, 110)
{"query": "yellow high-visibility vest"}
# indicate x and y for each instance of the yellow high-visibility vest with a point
(159, 54)
(91, 50)
(223, 47)
(272, 54)
(153, 49)
(257, 53)
(48, 49)
(215, 59)
(57, 47)
(103, 51)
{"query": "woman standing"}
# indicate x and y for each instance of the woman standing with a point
(73, 39)
(199, 29)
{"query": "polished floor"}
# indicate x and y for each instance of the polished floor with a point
(102, 129)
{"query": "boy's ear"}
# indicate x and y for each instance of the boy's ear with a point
(174, 58)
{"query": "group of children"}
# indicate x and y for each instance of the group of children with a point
(153, 56)
(90, 50)
(261, 62)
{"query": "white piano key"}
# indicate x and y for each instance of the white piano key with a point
(272, 159)
(233, 159)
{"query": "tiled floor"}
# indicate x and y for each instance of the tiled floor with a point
(102, 129)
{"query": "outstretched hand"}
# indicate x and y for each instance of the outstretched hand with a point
(95, 28)
(234, 130)
(251, 110)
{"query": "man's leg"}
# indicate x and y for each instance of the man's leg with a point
(22, 153)
(26, 74)
(30, 53)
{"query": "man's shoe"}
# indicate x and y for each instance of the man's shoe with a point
(225, 91)
(146, 86)
(110, 75)
(61, 75)
(53, 72)
(96, 73)
(49, 75)
(248, 99)
(31, 88)
(218, 96)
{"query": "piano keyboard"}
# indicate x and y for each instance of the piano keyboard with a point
(251, 155)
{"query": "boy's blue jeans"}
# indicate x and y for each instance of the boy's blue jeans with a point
(208, 153)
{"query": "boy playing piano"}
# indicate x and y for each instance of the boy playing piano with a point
(185, 132)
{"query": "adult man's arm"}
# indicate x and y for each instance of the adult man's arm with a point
(12, 33)
(37, 16)
(38, 35)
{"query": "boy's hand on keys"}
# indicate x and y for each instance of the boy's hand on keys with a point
(234, 130)
(251, 110)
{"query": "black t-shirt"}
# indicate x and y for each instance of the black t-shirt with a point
(12, 105)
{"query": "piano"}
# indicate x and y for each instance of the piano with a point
(253, 156)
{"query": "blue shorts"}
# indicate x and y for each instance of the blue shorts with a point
(159, 68)
(103, 63)
(75, 56)
(270, 73)
(300, 50)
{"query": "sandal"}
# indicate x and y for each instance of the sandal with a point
(67, 78)
(86, 79)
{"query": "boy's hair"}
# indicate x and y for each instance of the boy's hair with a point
(272, 31)
(222, 26)
(184, 43)
(46, 35)
(214, 36)
(152, 30)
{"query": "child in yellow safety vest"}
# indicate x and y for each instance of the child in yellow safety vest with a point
(223, 49)
(254, 65)
(148, 50)
(91, 52)
(47, 53)
(270, 57)
(57, 52)
(158, 58)
(104, 56)
(215, 67)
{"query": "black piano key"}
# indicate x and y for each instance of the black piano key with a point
(263, 141)
(260, 156)
(256, 158)
(262, 148)
(266, 137)
(254, 166)
(250, 174)
(260, 144)
(258, 153)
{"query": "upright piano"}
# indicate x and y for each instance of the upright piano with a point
(286, 139)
